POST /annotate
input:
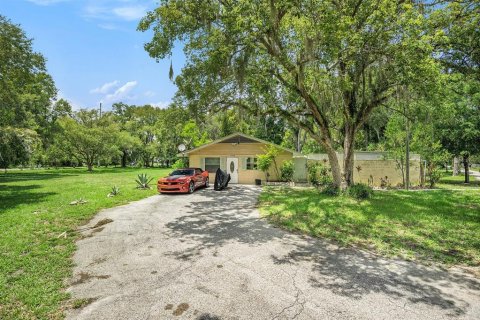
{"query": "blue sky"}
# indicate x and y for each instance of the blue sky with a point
(94, 52)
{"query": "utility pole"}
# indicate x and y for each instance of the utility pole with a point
(100, 109)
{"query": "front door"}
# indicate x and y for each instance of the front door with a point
(232, 169)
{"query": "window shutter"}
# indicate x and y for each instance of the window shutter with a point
(202, 163)
(223, 163)
(243, 163)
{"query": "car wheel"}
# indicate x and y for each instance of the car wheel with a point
(207, 183)
(191, 187)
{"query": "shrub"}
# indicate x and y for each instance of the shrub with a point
(312, 170)
(331, 190)
(264, 161)
(180, 163)
(434, 177)
(384, 182)
(359, 191)
(319, 174)
(325, 175)
(286, 171)
(143, 181)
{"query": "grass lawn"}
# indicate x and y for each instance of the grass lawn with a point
(34, 211)
(450, 182)
(430, 226)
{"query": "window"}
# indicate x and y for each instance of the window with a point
(182, 172)
(212, 164)
(251, 163)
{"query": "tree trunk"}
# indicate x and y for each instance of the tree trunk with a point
(422, 174)
(456, 166)
(335, 166)
(465, 166)
(402, 170)
(348, 157)
(90, 166)
(124, 158)
(297, 140)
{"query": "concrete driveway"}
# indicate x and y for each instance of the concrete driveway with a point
(209, 256)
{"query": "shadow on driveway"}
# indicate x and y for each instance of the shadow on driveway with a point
(230, 217)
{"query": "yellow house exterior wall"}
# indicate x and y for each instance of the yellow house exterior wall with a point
(240, 151)
(377, 169)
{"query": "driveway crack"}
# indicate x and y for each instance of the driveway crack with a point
(299, 297)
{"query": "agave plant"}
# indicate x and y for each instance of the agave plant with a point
(143, 181)
(114, 192)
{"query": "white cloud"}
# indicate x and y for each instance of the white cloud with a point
(95, 11)
(46, 2)
(120, 93)
(161, 104)
(114, 11)
(106, 88)
(149, 93)
(130, 13)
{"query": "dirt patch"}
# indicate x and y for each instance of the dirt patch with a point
(85, 277)
(181, 308)
(94, 231)
(208, 316)
(82, 303)
(97, 261)
(17, 273)
(97, 230)
(169, 306)
(102, 223)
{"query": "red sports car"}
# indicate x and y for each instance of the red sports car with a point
(183, 180)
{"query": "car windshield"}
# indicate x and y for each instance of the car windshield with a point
(183, 172)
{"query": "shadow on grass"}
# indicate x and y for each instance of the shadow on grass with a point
(47, 174)
(12, 196)
(456, 183)
(422, 224)
(31, 176)
(448, 180)
(229, 217)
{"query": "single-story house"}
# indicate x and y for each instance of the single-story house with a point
(237, 154)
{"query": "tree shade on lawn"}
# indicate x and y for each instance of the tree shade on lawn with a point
(429, 226)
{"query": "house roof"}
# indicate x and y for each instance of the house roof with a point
(238, 137)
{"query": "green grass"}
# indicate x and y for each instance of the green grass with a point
(429, 226)
(34, 211)
(450, 182)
